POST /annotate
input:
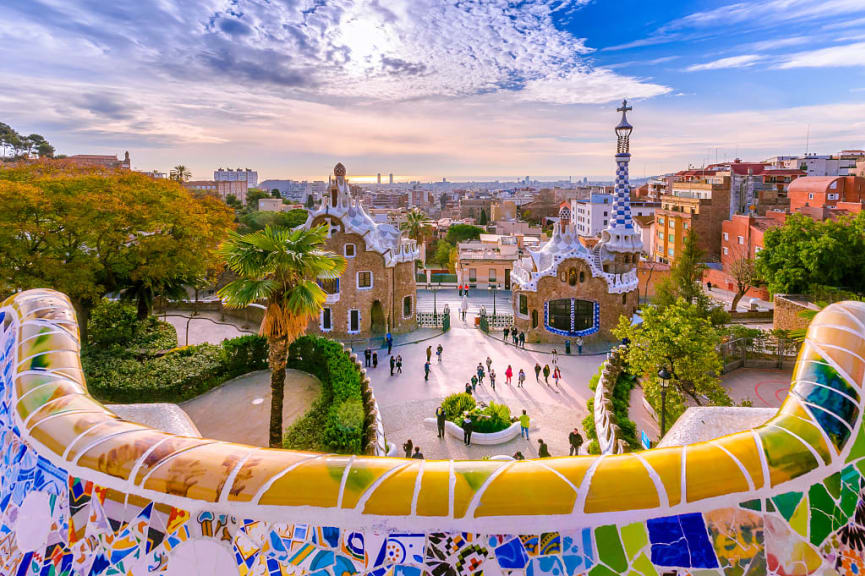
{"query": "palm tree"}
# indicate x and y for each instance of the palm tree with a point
(180, 173)
(280, 267)
(416, 224)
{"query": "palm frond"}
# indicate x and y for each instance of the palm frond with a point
(244, 291)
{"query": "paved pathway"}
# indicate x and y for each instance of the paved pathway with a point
(239, 410)
(405, 400)
(764, 387)
(206, 327)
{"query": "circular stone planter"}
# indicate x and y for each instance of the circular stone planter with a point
(484, 439)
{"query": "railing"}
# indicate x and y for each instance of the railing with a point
(608, 431)
(759, 352)
(85, 492)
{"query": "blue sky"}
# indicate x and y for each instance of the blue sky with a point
(433, 88)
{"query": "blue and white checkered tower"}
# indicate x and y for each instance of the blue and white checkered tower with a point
(620, 235)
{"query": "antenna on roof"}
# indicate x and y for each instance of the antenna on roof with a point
(807, 140)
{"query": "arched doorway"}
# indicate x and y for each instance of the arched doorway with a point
(377, 320)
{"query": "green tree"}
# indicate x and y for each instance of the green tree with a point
(252, 198)
(180, 173)
(803, 253)
(442, 253)
(744, 272)
(416, 224)
(253, 221)
(483, 220)
(87, 233)
(232, 201)
(462, 232)
(275, 193)
(280, 267)
(310, 202)
(680, 339)
(686, 275)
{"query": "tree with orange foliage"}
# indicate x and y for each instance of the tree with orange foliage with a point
(90, 232)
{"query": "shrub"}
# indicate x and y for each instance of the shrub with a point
(114, 325)
(245, 354)
(335, 423)
(455, 404)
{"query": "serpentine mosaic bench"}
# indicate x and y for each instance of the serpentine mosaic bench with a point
(84, 492)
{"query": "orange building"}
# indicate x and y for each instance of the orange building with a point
(834, 192)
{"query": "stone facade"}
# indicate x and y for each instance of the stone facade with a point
(592, 289)
(377, 291)
(787, 310)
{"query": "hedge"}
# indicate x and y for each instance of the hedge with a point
(621, 398)
(180, 374)
(335, 423)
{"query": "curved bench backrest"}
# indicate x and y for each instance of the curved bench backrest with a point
(84, 489)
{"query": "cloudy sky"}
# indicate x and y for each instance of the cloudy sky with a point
(433, 88)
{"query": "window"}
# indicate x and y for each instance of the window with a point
(492, 275)
(523, 304)
(740, 239)
(605, 222)
(660, 235)
(329, 285)
(810, 196)
(473, 274)
(726, 251)
(685, 225)
(349, 250)
(726, 236)
(661, 220)
(326, 320)
(670, 251)
(406, 307)
(582, 276)
(534, 318)
(605, 213)
(624, 298)
(572, 276)
(569, 316)
(364, 280)
(353, 321)
(671, 238)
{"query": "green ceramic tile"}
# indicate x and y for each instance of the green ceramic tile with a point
(610, 550)
(601, 570)
(755, 505)
(757, 567)
(833, 485)
(635, 538)
(858, 449)
(799, 520)
(786, 503)
(822, 510)
(644, 566)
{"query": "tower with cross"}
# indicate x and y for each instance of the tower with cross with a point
(620, 235)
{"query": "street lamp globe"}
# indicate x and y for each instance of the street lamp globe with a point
(664, 375)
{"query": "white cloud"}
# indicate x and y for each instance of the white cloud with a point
(834, 56)
(768, 12)
(743, 61)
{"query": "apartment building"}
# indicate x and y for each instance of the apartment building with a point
(699, 205)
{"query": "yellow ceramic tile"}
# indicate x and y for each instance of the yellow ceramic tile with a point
(50, 361)
(262, 465)
(57, 433)
(34, 329)
(68, 403)
(804, 428)
(52, 390)
(393, 497)
(745, 449)
(361, 475)
(117, 455)
(621, 483)
(573, 469)
(47, 339)
(171, 445)
(313, 483)
(667, 464)
(709, 472)
(470, 476)
(515, 492)
(787, 457)
(434, 497)
(24, 383)
(108, 426)
(198, 473)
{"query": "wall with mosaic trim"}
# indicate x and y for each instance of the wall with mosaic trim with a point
(84, 492)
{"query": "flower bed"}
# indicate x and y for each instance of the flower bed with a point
(486, 419)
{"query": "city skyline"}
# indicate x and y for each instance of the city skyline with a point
(435, 89)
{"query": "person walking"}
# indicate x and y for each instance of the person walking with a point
(509, 374)
(521, 378)
(417, 453)
(398, 364)
(518, 455)
(407, 446)
(467, 430)
(575, 441)
(439, 351)
(426, 371)
(579, 344)
(461, 290)
(522, 339)
(557, 374)
(547, 374)
(480, 373)
(428, 353)
(469, 388)
(709, 286)
(474, 383)
(524, 425)
(515, 335)
(543, 450)
(392, 364)
(489, 363)
(367, 357)
(389, 340)
(507, 331)
(492, 379)
(375, 359)
(555, 357)
(440, 421)
(537, 373)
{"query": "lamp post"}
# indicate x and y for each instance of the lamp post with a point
(493, 287)
(664, 375)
